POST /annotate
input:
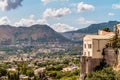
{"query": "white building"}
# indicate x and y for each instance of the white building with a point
(93, 44)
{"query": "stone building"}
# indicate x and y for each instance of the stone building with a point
(93, 46)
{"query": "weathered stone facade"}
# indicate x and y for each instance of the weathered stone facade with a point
(96, 54)
(88, 64)
(110, 56)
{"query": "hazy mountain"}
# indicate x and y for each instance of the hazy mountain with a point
(33, 34)
(92, 29)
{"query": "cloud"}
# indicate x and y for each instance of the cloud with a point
(4, 21)
(111, 14)
(84, 7)
(30, 21)
(26, 22)
(48, 1)
(82, 20)
(10, 4)
(116, 6)
(63, 27)
(52, 13)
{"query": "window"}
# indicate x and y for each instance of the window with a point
(89, 45)
(84, 45)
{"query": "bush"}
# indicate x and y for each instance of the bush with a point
(104, 74)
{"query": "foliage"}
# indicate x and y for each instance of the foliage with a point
(104, 74)
(115, 41)
(41, 76)
(54, 68)
(12, 75)
(3, 72)
(70, 78)
(70, 75)
(30, 72)
(107, 29)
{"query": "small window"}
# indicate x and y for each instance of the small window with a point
(89, 45)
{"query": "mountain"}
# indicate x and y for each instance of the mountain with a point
(92, 29)
(34, 34)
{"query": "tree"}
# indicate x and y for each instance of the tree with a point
(30, 72)
(104, 74)
(12, 75)
(106, 29)
(42, 76)
(115, 43)
(3, 72)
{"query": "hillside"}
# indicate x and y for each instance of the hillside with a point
(92, 29)
(33, 34)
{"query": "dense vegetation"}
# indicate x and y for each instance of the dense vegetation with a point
(107, 29)
(54, 63)
(104, 74)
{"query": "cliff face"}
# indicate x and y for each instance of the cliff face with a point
(110, 56)
(89, 64)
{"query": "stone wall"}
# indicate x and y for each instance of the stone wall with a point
(88, 64)
(110, 56)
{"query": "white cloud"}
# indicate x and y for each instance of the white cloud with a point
(63, 27)
(26, 22)
(52, 13)
(31, 16)
(111, 14)
(82, 20)
(48, 1)
(116, 6)
(30, 21)
(84, 7)
(10, 4)
(4, 21)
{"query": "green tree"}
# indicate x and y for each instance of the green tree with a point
(12, 75)
(115, 43)
(106, 29)
(104, 74)
(42, 76)
(30, 72)
(3, 72)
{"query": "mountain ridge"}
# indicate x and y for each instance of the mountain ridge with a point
(100, 26)
(35, 33)
(91, 29)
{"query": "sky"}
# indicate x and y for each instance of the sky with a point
(61, 15)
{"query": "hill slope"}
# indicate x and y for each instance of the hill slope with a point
(33, 34)
(92, 29)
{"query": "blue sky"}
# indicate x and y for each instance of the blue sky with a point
(60, 14)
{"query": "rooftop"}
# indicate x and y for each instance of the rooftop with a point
(98, 36)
